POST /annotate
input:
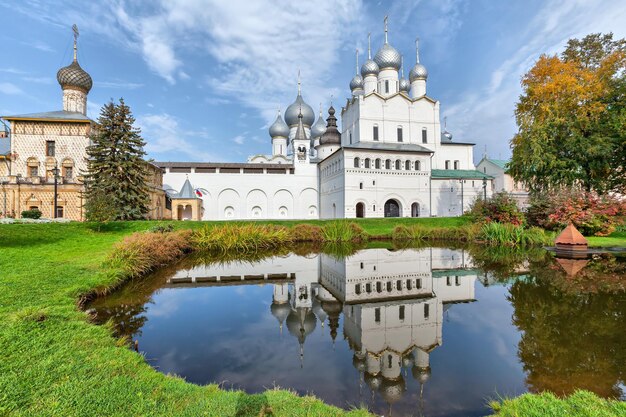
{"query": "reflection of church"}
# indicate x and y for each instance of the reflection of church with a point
(393, 304)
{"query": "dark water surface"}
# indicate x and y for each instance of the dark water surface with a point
(430, 331)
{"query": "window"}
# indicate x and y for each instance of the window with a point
(68, 172)
(357, 289)
(368, 287)
(360, 186)
(377, 164)
(388, 164)
(357, 162)
(408, 284)
(424, 135)
(485, 170)
(447, 164)
(426, 310)
(448, 282)
(59, 212)
(399, 133)
(375, 132)
(399, 285)
(407, 165)
(31, 208)
(417, 165)
(397, 164)
(350, 134)
(389, 286)
(457, 281)
(418, 283)
(33, 171)
(361, 265)
(379, 287)
(50, 148)
(456, 164)
(386, 86)
(401, 313)
(367, 162)
(374, 209)
(377, 315)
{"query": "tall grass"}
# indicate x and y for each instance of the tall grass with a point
(507, 234)
(343, 231)
(416, 232)
(143, 252)
(240, 238)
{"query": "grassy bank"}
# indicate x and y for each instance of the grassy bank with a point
(579, 404)
(56, 363)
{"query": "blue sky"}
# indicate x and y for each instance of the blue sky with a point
(205, 77)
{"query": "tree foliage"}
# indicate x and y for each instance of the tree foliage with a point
(116, 175)
(571, 118)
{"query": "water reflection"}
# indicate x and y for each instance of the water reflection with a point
(368, 329)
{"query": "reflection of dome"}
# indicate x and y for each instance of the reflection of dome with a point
(421, 374)
(280, 311)
(292, 112)
(373, 381)
(358, 362)
(388, 57)
(319, 311)
(301, 323)
(407, 361)
(391, 390)
(333, 309)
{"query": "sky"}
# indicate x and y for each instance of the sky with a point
(205, 78)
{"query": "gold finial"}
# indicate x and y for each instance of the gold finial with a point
(75, 30)
(386, 18)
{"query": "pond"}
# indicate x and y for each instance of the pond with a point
(425, 331)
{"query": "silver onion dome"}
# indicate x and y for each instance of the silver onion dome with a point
(446, 136)
(356, 83)
(405, 86)
(318, 128)
(370, 67)
(292, 112)
(279, 128)
(388, 57)
(74, 76)
(418, 72)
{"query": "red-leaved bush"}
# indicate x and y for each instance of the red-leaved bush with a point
(499, 208)
(591, 213)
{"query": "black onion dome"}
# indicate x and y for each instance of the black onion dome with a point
(332, 135)
(74, 76)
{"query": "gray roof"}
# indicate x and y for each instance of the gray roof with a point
(187, 191)
(456, 143)
(5, 146)
(382, 146)
(219, 165)
(51, 115)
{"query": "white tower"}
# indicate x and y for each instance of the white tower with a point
(369, 70)
(389, 61)
(279, 132)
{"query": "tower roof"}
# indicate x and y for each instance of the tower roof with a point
(332, 135)
(571, 236)
(73, 75)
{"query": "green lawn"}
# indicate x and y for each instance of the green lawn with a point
(55, 363)
(617, 239)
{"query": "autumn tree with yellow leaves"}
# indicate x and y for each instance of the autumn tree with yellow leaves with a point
(572, 119)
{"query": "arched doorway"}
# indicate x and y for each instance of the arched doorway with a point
(360, 210)
(415, 210)
(392, 208)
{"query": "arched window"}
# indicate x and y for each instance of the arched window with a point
(388, 164)
(398, 164)
(407, 165)
(375, 133)
(357, 162)
(32, 164)
(367, 163)
(417, 165)
(377, 163)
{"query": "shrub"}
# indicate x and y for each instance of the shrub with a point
(591, 213)
(306, 233)
(142, 252)
(500, 207)
(31, 214)
(162, 228)
(344, 231)
(240, 238)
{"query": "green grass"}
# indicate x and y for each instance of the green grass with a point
(55, 363)
(617, 239)
(579, 404)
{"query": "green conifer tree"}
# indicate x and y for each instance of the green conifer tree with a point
(116, 170)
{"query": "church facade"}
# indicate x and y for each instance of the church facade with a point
(389, 158)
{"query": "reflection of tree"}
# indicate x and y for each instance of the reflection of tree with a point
(569, 340)
(127, 319)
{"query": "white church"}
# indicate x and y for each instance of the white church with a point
(388, 158)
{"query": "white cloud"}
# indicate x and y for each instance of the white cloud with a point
(239, 139)
(485, 114)
(164, 135)
(119, 84)
(42, 46)
(11, 89)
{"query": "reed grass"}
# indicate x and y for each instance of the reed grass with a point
(240, 238)
(507, 234)
(343, 231)
(465, 233)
